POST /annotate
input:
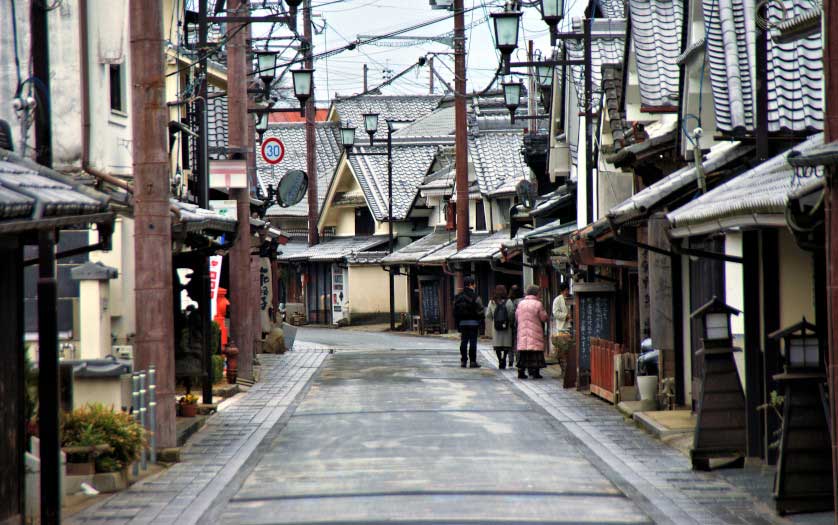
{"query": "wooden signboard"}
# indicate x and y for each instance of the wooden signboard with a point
(594, 319)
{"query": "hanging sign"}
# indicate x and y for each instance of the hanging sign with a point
(265, 293)
(226, 174)
(292, 188)
(215, 279)
(273, 150)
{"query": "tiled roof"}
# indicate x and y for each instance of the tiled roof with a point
(402, 108)
(485, 248)
(217, 124)
(410, 166)
(442, 255)
(613, 8)
(636, 205)
(656, 35)
(763, 189)
(291, 249)
(498, 160)
(337, 248)
(293, 137)
(31, 192)
(607, 47)
(795, 69)
(439, 124)
(420, 248)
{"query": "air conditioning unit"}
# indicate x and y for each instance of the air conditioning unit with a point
(123, 351)
(560, 162)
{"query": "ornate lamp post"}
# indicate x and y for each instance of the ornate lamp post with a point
(266, 61)
(506, 24)
(303, 84)
(804, 468)
(720, 430)
(347, 137)
(511, 96)
(261, 123)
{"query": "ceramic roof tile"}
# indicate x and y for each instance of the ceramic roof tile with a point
(497, 159)
(293, 137)
(33, 192)
(656, 35)
(337, 248)
(217, 124)
(410, 166)
(763, 189)
(401, 108)
(795, 69)
(720, 154)
(420, 248)
(607, 47)
(485, 248)
(442, 255)
(436, 124)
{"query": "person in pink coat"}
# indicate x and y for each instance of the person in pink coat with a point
(530, 317)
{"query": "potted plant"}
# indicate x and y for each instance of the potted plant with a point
(100, 436)
(188, 405)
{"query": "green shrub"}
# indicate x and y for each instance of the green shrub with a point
(217, 368)
(215, 338)
(97, 424)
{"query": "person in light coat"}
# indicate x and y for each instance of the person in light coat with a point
(502, 339)
(530, 317)
(516, 296)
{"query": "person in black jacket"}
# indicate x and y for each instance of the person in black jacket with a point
(468, 313)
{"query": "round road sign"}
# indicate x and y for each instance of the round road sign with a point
(273, 150)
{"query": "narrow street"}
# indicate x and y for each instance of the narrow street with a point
(406, 435)
(354, 427)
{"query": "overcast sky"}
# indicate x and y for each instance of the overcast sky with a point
(342, 21)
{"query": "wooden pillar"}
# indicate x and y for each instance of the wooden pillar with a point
(643, 282)
(661, 320)
(754, 393)
(771, 323)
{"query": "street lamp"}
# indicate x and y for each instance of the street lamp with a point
(347, 138)
(303, 86)
(552, 12)
(371, 124)
(506, 25)
(267, 69)
(511, 96)
(261, 124)
(544, 73)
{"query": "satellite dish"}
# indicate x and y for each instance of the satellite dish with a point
(292, 188)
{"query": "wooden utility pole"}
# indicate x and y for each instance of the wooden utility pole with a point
(589, 125)
(366, 68)
(241, 301)
(311, 144)
(830, 60)
(532, 108)
(431, 76)
(460, 127)
(154, 343)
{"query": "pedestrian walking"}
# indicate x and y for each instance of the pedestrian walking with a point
(561, 336)
(468, 313)
(516, 296)
(501, 313)
(530, 317)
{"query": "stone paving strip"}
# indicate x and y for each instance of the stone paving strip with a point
(214, 456)
(640, 465)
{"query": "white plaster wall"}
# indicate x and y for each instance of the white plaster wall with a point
(797, 278)
(121, 257)
(369, 290)
(734, 296)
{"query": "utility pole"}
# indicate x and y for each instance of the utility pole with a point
(531, 87)
(240, 275)
(311, 145)
(365, 78)
(154, 344)
(460, 127)
(830, 60)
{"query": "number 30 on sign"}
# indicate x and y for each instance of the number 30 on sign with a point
(273, 150)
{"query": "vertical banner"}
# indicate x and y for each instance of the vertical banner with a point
(215, 278)
(265, 293)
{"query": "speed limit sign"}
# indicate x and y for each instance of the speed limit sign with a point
(273, 150)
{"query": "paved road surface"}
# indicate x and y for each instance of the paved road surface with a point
(393, 430)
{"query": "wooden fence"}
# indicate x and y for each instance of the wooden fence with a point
(603, 377)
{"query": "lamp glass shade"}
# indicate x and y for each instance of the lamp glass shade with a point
(293, 3)
(552, 10)
(803, 352)
(717, 326)
(302, 79)
(347, 136)
(506, 30)
(511, 94)
(370, 122)
(545, 75)
(267, 64)
(262, 122)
